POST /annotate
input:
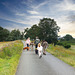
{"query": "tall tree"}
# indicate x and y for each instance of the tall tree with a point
(4, 33)
(22, 36)
(26, 33)
(48, 30)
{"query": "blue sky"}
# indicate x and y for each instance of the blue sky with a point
(20, 14)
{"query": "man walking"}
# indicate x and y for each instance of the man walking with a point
(45, 45)
(37, 41)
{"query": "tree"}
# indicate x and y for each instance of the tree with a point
(32, 32)
(68, 37)
(15, 34)
(1, 28)
(4, 33)
(26, 32)
(22, 36)
(48, 30)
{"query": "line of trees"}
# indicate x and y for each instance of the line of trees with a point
(6, 35)
(46, 29)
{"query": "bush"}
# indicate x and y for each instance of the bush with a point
(64, 44)
(60, 43)
(67, 46)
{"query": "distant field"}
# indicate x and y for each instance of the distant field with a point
(66, 55)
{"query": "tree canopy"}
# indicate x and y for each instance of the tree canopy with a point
(47, 29)
(6, 35)
(32, 32)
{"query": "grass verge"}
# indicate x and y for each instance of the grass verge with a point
(66, 55)
(9, 58)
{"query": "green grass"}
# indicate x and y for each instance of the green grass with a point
(66, 55)
(8, 67)
(9, 58)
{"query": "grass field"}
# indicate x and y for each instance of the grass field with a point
(9, 57)
(66, 55)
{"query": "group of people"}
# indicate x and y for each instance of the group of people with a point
(40, 47)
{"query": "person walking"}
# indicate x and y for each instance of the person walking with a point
(45, 45)
(40, 48)
(27, 43)
(36, 44)
(32, 44)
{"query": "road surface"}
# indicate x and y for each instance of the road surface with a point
(30, 64)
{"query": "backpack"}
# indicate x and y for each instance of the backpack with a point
(37, 41)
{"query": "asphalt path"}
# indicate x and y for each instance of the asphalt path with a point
(30, 64)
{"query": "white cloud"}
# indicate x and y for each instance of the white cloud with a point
(26, 2)
(30, 1)
(15, 26)
(66, 5)
(33, 12)
(20, 14)
(30, 20)
(40, 5)
(31, 4)
(16, 20)
(35, 17)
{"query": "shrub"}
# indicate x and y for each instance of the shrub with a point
(67, 46)
(60, 43)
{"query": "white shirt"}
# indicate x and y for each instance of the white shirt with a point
(40, 48)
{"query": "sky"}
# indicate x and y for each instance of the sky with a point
(20, 14)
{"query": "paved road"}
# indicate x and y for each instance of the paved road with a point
(30, 64)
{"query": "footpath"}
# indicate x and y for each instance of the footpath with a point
(30, 64)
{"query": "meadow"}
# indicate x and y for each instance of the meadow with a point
(10, 53)
(66, 55)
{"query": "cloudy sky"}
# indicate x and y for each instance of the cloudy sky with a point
(20, 14)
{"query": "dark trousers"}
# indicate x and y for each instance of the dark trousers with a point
(27, 46)
(36, 51)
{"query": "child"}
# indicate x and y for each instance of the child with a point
(32, 44)
(39, 48)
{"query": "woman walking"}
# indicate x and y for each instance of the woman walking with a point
(27, 43)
